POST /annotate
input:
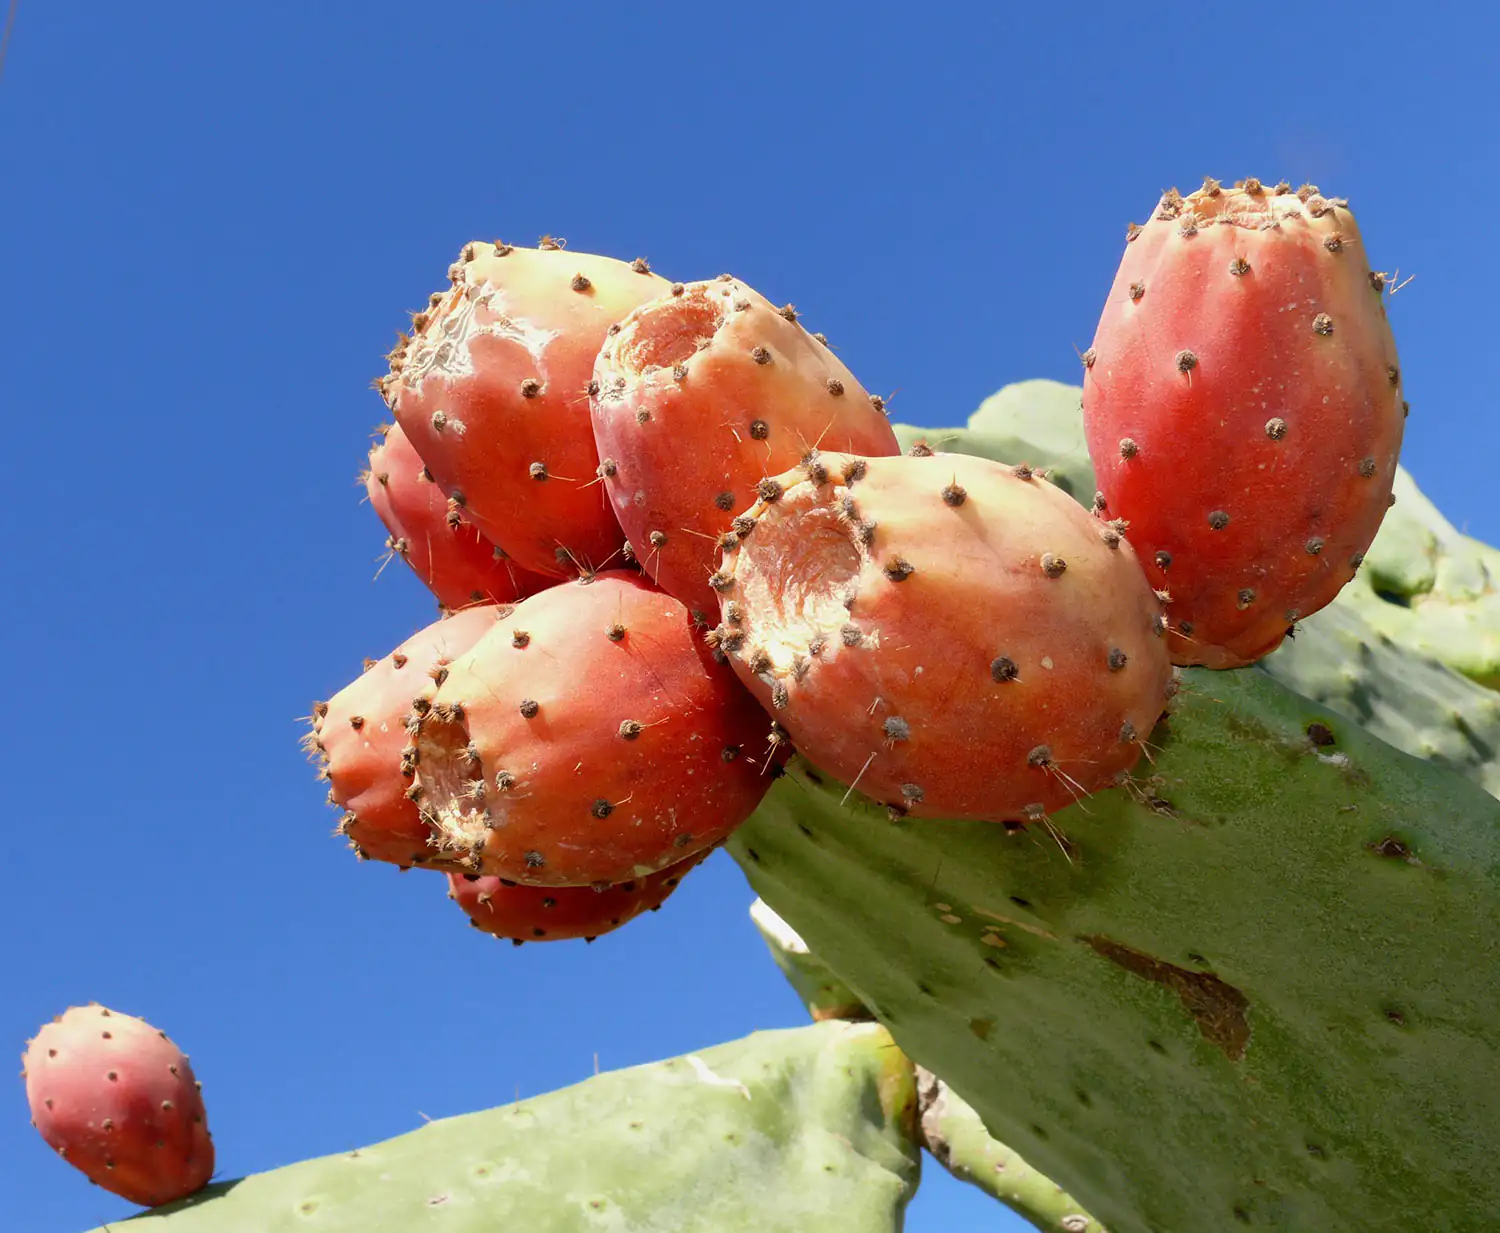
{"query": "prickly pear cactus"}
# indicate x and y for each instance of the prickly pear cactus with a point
(948, 1126)
(1432, 588)
(807, 1128)
(823, 993)
(1424, 584)
(953, 1132)
(1408, 699)
(1259, 986)
(1410, 649)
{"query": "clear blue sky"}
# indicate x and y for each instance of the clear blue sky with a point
(212, 218)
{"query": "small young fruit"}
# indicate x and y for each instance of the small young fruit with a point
(117, 1100)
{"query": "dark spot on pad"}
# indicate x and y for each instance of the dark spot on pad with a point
(1320, 734)
(1218, 1008)
(1393, 849)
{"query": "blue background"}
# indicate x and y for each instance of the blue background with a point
(213, 218)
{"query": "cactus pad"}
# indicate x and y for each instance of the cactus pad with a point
(781, 1132)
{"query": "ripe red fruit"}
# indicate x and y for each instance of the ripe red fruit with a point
(698, 397)
(589, 738)
(493, 391)
(361, 739)
(952, 636)
(432, 535)
(558, 913)
(1242, 404)
(118, 1101)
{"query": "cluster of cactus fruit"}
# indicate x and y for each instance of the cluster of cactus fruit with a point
(673, 540)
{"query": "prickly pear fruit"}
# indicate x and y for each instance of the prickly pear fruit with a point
(953, 636)
(431, 534)
(492, 390)
(115, 1098)
(699, 396)
(590, 737)
(559, 913)
(361, 740)
(1242, 404)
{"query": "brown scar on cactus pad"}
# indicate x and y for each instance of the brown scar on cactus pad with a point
(1258, 389)
(733, 391)
(492, 390)
(960, 642)
(361, 739)
(584, 758)
(432, 533)
(519, 914)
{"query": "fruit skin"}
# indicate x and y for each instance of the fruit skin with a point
(590, 737)
(1243, 409)
(360, 738)
(686, 432)
(561, 913)
(492, 391)
(912, 609)
(430, 533)
(119, 1102)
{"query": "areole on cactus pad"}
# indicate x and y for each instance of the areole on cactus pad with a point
(1242, 401)
(492, 390)
(956, 637)
(699, 396)
(589, 738)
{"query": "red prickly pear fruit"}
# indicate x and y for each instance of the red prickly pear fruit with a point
(699, 396)
(560, 913)
(492, 390)
(431, 534)
(360, 736)
(953, 636)
(117, 1100)
(590, 738)
(1242, 405)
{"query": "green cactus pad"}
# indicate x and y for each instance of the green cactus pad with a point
(1410, 700)
(1259, 988)
(953, 1132)
(949, 1127)
(823, 993)
(1431, 588)
(785, 1131)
